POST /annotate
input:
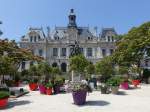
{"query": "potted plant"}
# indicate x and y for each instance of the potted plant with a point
(124, 83)
(114, 83)
(79, 93)
(58, 82)
(42, 87)
(123, 71)
(104, 88)
(49, 88)
(135, 81)
(4, 95)
(33, 84)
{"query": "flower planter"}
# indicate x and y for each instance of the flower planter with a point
(104, 90)
(56, 89)
(135, 82)
(17, 84)
(114, 90)
(3, 103)
(124, 85)
(42, 89)
(79, 97)
(49, 91)
(33, 86)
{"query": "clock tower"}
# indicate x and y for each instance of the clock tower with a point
(72, 19)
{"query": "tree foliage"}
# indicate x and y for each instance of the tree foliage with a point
(78, 63)
(132, 46)
(105, 66)
(90, 69)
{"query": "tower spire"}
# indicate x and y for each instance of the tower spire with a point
(72, 19)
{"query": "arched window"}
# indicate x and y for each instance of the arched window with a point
(54, 64)
(64, 67)
(23, 65)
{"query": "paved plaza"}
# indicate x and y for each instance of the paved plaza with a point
(133, 100)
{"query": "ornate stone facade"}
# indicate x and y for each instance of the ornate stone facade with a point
(54, 46)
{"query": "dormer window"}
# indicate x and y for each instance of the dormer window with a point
(56, 38)
(89, 38)
(31, 39)
(39, 37)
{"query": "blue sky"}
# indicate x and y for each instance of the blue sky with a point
(18, 15)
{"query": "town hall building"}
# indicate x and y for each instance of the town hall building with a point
(54, 45)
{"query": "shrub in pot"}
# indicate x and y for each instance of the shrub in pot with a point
(33, 84)
(49, 88)
(114, 83)
(4, 95)
(42, 87)
(79, 93)
(135, 81)
(104, 89)
(124, 83)
(58, 82)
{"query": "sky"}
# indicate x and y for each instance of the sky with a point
(18, 15)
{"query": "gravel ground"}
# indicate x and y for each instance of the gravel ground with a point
(134, 100)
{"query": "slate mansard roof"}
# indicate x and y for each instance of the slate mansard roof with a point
(62, 32)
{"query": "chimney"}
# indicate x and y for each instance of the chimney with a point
(48, 32)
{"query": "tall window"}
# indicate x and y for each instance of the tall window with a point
(71, 50)
(63, 52)
(111, 51)
(81, 50)
(40, 52)
(23, 65)
(112, 39)
(34, 38)
(89, 52)
(55, 51)
(104, 52)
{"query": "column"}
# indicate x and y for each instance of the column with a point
(27, 64)
(93, 52)
(67, 51)
(85, 51)
(107, 52)
(59, 52)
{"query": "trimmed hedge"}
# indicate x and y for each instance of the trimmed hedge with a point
(4, 94)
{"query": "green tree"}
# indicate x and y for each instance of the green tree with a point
(90, 69)
(55, 71)
(78, 63)
(133, 47)
(105, 67)
(5, 66)
(44, 69)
